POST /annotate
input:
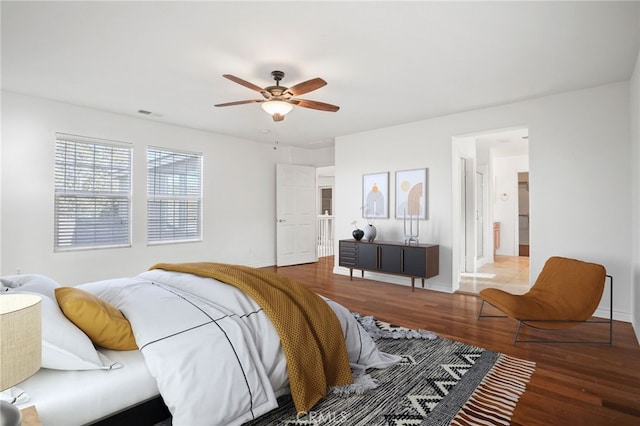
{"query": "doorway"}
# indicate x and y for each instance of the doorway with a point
(325, 178)
(491, 171)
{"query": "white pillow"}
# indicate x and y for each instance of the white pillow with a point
(30, 282)
(65, 346)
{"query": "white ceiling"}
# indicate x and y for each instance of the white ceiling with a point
(386, 63)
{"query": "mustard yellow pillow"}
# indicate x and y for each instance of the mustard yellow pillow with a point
(103, 323)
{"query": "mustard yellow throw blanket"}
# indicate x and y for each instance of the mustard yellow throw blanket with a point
(310, 332)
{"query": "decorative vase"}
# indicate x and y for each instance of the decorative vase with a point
(358, 234)
(370, 232)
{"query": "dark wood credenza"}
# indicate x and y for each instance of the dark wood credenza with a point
(414, 261)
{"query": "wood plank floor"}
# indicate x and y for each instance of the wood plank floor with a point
(574, 384)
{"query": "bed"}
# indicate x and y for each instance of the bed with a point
(65, 397)
(217, 344)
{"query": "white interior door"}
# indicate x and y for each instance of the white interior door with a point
(479, 216)
(484, 226)
(468, 214)
(295, 214)
(462, 260)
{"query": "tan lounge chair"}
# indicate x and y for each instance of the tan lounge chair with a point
(566, 293)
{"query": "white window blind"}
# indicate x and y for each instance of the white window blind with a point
(174, 196)
(92, 193)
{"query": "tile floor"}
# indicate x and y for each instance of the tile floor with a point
(509, 273)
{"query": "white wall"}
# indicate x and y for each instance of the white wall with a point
(320, 157)
(239, 192)
(635, 196)
(580, 178)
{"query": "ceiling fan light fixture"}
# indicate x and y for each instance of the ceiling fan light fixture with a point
(279, 100)
(280, 108)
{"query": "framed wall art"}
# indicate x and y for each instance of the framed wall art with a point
(375, 195)
(411, 194)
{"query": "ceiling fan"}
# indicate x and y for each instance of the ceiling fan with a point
(279, 100)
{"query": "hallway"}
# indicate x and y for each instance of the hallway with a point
(509, 273)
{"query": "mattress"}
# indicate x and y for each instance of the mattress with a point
(68, 398)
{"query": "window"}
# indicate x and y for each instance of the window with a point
(92, 193)
(174, 196)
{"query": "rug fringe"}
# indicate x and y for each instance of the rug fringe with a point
(369, 323)
(361, 383)
(494, 400)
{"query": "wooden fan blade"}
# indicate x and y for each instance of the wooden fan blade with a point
(306, 86)
(239, 102)
(316, 105)
(244, 83)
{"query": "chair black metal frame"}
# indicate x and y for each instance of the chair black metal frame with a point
(589, 321)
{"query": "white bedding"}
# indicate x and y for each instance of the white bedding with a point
(71, 398)
(209, 350)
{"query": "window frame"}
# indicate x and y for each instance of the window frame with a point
(73, 203)
(157, 236)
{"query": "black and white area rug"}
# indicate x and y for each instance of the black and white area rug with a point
(438, 382)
